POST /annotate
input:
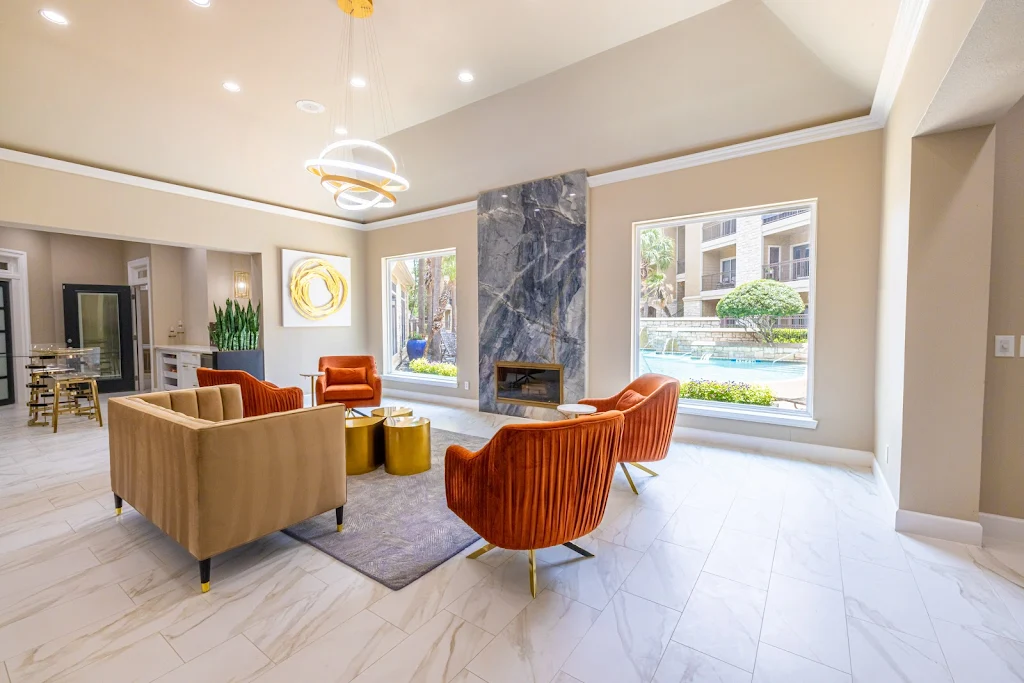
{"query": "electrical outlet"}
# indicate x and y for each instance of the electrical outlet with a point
(1004, 346)
(886, 454)
(465, 385)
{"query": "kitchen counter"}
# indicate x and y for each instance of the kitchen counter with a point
(184, 348)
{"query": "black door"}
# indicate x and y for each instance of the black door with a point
(100, 316)
(6, 346)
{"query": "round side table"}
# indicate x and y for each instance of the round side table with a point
(364, 444)
(406, 445)
(574, 410)
(392, 411)
(312, 384)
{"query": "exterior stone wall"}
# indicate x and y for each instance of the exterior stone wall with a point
(698, 336)
(748, 249)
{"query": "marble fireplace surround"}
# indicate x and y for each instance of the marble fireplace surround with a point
(532, 273)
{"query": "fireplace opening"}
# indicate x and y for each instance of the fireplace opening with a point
(532, 384)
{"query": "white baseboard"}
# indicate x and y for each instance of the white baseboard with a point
(439, 399)
(946, 528)
(790, 449)
(998, 526)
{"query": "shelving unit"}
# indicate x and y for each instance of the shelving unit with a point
(176, 366)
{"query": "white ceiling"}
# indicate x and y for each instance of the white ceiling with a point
(136, 86)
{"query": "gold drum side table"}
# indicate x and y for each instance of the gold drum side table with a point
(364, 444)
(392, 411)
(406, 445)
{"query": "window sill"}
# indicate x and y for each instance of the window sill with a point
(748, 415)
(414, 378)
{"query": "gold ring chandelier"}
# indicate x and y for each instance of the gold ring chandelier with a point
(357, 184)
(304, 275)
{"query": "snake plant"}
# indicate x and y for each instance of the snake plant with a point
(236, 328)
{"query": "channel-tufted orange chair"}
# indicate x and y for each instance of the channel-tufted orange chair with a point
(536, 485)
(352, 380)
(649, 405)
(258, 397)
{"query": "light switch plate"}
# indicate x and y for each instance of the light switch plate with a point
(1004, 345)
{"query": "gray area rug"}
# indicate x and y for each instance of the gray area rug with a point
(396, 528)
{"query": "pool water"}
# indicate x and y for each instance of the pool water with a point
(685, 368)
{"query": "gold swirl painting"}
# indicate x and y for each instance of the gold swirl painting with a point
(317, 285)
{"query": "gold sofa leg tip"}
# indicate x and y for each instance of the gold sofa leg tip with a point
(117, 511)
(205, 587)
(340, 527)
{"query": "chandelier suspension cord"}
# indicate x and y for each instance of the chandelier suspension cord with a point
(384, 94)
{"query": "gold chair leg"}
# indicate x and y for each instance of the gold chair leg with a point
(533, 574)
(480, 551)
(644, 469)
(628, 478)
(56, 404)
(96, 403)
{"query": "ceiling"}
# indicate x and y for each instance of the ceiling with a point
(136, 87)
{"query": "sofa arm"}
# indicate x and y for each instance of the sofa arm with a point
(603, 405)
(465, 483)
(283, 399)
(263, 474)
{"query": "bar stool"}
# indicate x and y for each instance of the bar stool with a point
(77, 389)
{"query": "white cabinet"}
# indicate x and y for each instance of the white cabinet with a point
(176, 367)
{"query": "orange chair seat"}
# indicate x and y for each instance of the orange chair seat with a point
(348, 392)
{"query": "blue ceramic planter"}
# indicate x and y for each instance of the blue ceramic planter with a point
(416, 348)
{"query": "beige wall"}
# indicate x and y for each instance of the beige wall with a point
(195, 295)
(848, 195)
(950, 245)
(95, 207)
(36, 245)
(1002, 460)
(167, 276)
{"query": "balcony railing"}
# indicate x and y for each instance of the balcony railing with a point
(796, 322)
(772, 217)
(724, 280)
(713, 231)
(788, 271)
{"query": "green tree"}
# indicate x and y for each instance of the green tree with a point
(758, 305)
(657, 253)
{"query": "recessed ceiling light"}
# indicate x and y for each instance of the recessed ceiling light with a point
(231, 86)
(465, 77)
(358, 82)
(310, 107)
(340, 130)
(200, 3)
(53, 17)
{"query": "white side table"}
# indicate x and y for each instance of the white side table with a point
(574, 410)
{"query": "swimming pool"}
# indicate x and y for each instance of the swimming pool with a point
(684, 368)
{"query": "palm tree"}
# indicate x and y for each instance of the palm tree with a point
(657, 252)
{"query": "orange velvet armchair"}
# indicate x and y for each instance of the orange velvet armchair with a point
(536, 485)
(357, 385)
(649, 405)
(258, 397)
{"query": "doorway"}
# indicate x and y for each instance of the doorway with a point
(6, 345)
(100, 316)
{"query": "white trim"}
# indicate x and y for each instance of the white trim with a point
(421, 216)
(412, 378)
(22, 341)
(789, 449)
(774, 417)
(828, 131)
(61, 166)
(933, 526)
(887, 498)
(440, 399)
(998, 526)
(901, 43)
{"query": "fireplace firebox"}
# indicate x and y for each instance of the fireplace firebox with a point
(531, 384)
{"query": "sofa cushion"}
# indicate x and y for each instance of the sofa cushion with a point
(337, 376)
(348, 392)
(629, 399)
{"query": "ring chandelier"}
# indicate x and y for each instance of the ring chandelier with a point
(359, 185)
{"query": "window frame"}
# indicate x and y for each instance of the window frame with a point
(768, 415)
(388, 372)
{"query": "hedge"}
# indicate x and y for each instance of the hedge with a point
(425, 367)
(727, 392)
(788, 336)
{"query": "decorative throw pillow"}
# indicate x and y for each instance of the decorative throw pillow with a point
(628, 399)
(345, 376)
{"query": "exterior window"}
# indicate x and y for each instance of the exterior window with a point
(421, 316)
(740, 336)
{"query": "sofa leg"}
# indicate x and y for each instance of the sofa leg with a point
(339, 513)
(118, 504)
(628, 478)
(533, 573)
(204, 575)
(644, 469)
(480, 551)
(576, 548)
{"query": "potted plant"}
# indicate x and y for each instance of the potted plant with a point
(236, 334)
(416, 346)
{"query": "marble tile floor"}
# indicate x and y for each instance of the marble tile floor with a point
(729, 567)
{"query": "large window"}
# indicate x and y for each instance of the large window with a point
(735, 327)
(420, 316)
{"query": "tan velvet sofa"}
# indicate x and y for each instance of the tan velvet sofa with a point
(211, 480)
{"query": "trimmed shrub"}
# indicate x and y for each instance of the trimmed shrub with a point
(759, 304)
(788, 336)
(727, 392)
(425, 367)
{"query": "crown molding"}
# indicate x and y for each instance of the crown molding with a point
(171, 188)
(909, 19)
(421, 216)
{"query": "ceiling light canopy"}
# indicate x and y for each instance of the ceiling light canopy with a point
(310, 107)
(231, 86)
(54, 17)
(465, 76)
(370, 178)
(200, 3)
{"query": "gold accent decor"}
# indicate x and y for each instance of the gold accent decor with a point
(628, 478)
(117, 511)
(392, 411)
(480, 551)
(340, 527)
(644, 469)
(533, 573)
(364, 445)
(535, 366)
(303, 275)
(241, 284)
(206, 587)
(359, 9)
(406, 445)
